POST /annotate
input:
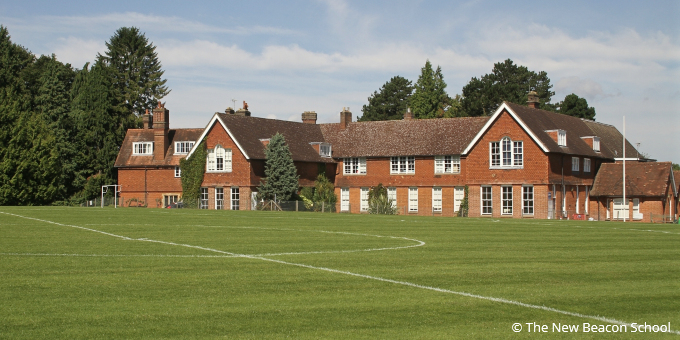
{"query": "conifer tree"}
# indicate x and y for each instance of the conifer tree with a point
(281, 181)
(29, 164)
(136, 71)
(429, 98)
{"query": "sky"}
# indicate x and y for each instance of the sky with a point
(287, 57)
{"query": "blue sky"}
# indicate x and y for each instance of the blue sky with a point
(284, 58)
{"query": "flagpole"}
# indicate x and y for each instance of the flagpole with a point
(624, 169)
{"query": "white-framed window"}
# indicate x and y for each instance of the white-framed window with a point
(620, 209)
(561, 138)
(578, 201)
(506, 200)
(364, 199)
(219, 160)
(354, 166)
(586, 165)
(487, 204)
(446, 164)
(392, 195)
(344, 199)
(587, 198)
(636, 209)
(183, 148)
(219, 198)
(178, 172)
(506, 154)
(235, 198)
(203, 204)
(458, 195)
(437, 199)
(596, 144)
(574, 164)
(403, 165)
(527, 200)
(324, 150)
(413, 199)
(142, 148)
(170, 199)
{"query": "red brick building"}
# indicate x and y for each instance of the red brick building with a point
(522, 162)
(651, 192)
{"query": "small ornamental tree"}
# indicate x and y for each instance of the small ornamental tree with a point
(379, 203)
(281, 182)
(192, 175)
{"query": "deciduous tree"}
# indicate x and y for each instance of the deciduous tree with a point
(507, 82)
(573, 105)
(390, 103)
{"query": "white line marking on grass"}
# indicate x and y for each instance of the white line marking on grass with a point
(631, 229)
(419, 243)
(110, 255)
(330, 270)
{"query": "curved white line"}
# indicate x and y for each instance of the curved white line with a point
(409, 284)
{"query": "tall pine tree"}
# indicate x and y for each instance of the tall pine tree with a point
(136, 71)
(281, 181)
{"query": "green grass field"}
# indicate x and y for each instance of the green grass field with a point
(151, 273)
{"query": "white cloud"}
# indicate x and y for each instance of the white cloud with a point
(78, 51)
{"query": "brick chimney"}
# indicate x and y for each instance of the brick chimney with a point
(147, 120)
(229, 111)
(345, 118)
(532, 100)
(309, 117)
(244, 110)
(408, 115)
(161, 125)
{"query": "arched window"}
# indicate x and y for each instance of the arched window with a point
(219, 159)
(506, 153)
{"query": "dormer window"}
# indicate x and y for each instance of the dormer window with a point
(142, 148)
(596, 144)
(325, 150)
(183, 148)
(561, 138)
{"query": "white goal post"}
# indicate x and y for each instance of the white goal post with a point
(116, 191)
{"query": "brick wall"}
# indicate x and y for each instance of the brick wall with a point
(148, 184)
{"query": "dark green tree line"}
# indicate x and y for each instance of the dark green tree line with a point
(63, 127)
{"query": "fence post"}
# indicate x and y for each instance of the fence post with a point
(296, 205)
(323, 207)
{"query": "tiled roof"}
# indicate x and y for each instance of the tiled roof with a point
(610, 140)
(539, 121)
(126, 159)
(649, 179)
(418, 137)
(248, 131)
